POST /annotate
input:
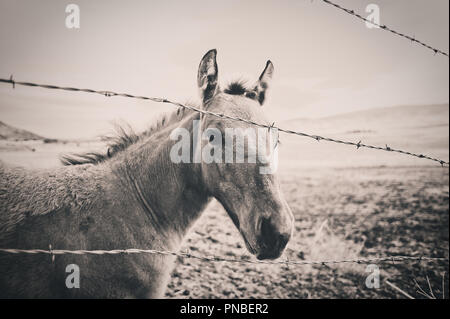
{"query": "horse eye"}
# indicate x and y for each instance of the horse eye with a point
(211, 138)
(250, 95)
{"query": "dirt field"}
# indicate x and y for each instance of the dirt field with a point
(345, 213)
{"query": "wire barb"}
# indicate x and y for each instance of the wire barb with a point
(271, 126)
(51, 252)
(11, 80)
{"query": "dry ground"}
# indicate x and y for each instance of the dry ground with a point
(340, 213)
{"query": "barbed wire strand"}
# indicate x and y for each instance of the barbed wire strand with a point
(386, 28)
(224, 116)
(53, 252)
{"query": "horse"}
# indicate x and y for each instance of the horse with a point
(134, 196)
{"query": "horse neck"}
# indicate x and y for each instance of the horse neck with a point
(173, 195)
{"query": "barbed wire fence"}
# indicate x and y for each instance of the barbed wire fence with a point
(393, 259)
(386, 28)
(358, 145)
(318, 138)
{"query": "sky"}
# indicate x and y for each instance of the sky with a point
(326, 62)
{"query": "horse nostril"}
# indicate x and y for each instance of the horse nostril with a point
(271, 238)
(267, 230)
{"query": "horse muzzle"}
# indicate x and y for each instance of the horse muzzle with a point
(271, 240)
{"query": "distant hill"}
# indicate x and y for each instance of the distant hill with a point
(396, 117)
(8, 132)
(421, 129)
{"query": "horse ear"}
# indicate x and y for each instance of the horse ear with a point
(207, 76)
(263, 82)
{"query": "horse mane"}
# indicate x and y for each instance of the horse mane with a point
(240, 87)
(124, 137)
